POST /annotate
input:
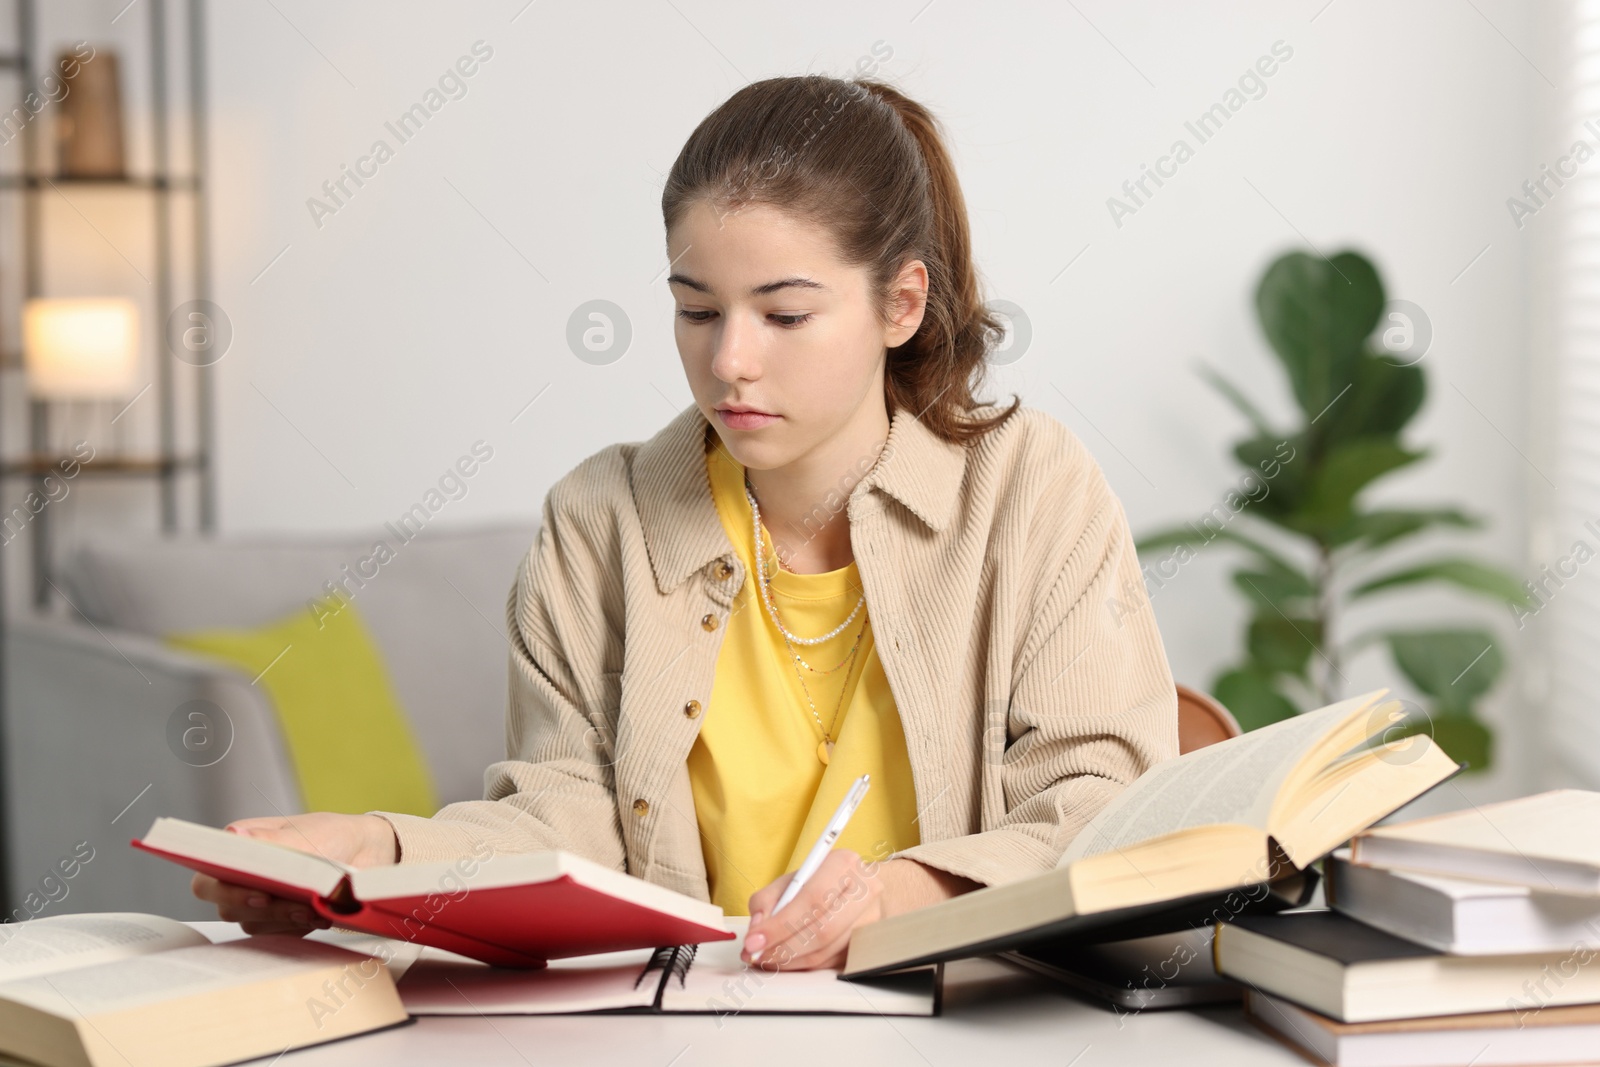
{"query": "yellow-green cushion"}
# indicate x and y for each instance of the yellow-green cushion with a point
(352, 747)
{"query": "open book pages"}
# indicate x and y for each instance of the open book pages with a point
(444, 983)
(136, 981)
(123, 988)
(1235, 782)
(394, 954)
(1307, 783)
(708, 978)
(715, 980)
(61, 942)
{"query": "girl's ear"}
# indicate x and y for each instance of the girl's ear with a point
(908, 301)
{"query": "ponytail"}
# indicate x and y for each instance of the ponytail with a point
(870, 167)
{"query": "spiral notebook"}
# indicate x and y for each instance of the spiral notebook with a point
(708, 978)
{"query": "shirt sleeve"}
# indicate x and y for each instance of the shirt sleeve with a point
(555, 788)
(1092, 706)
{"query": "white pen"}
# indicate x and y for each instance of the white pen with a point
(830, 834)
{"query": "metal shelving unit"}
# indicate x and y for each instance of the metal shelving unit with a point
(166, 466)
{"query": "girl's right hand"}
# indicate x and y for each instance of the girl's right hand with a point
(357, 840)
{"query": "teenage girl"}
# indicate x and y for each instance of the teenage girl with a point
(835, 562)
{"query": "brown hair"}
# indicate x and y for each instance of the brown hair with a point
(869, 165)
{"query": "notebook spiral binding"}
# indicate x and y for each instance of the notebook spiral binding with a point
(659, 960)
(681, 963)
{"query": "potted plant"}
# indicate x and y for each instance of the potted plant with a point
(1311, 546)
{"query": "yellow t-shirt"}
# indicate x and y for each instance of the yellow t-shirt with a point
(762, 796)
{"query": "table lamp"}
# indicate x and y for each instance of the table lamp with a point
(80, 348)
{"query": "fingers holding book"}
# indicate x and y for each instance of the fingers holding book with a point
(355, 840)
(256, 912)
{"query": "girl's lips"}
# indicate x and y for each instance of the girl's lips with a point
(745, 420)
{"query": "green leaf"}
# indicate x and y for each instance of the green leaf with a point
(1237, 398)
(1465, 740)
(1283, 588)
(1317, 314)
(1454, 667)
(1252, 698)
(1465, 573)
(1198, 537)
(1378, 528)
(1171, 537)
(1281, 645)
(1344, 471)
(1381, 400)
(1278, 467)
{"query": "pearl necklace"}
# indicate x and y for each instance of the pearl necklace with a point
(766, 596)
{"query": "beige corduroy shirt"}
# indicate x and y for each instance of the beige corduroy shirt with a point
(1010, 614)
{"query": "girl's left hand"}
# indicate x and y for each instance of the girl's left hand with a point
(813, 930)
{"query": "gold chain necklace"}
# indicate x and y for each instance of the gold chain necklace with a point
(825, 746)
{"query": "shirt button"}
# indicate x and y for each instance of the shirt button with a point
(708, 621)
(691, 710)
(641, 807)
(724, 571)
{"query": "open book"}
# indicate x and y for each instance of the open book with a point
(1196, 839)
(707, 978)
(121, 988)
(518, 910)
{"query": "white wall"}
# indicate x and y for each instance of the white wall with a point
(431, 308)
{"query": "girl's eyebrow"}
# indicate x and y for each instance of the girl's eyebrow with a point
(759, 290)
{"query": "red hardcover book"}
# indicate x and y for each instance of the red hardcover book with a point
(507, 910)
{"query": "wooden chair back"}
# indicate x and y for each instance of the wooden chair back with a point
(1202, 720)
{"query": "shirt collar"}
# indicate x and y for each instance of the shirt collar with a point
(683, 533)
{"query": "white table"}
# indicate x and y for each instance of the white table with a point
(993, 1013)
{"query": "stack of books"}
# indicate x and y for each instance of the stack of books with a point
(1466, 938)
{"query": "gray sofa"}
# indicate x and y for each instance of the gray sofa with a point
(96, 707)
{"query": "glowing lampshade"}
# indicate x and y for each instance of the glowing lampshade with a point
(83, 348)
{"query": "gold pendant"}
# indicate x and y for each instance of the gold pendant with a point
(824, 750)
